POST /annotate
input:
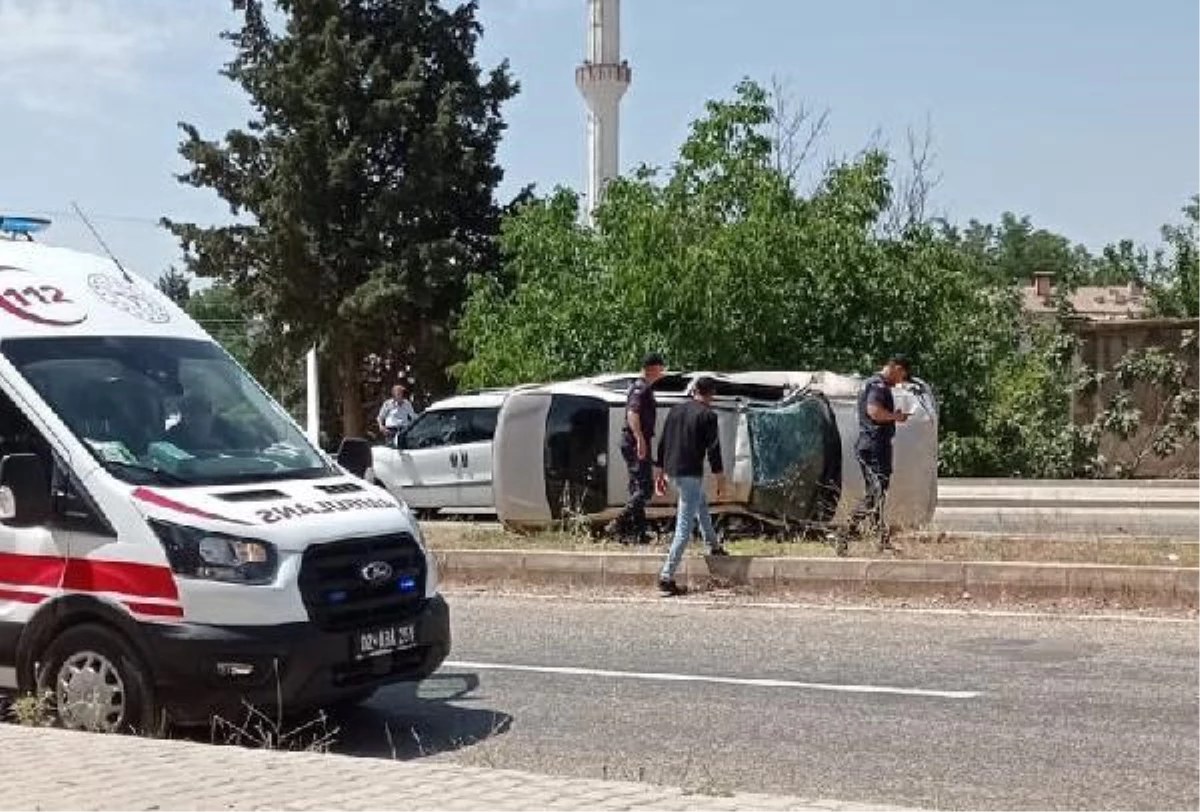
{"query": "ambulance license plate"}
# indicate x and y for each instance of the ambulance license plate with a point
(384, 640)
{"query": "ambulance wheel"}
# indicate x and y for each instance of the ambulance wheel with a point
(95, 681)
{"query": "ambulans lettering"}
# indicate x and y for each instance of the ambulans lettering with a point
(298, 509)
(26, 297)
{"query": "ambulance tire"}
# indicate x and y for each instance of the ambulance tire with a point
(109, 652)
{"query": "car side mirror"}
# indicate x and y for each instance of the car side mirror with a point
(24, 490)
(354, 454)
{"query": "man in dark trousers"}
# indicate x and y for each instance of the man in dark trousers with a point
(641, 412)
(877, 419)
(689, 435)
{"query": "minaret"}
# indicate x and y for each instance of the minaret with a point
(603, 79)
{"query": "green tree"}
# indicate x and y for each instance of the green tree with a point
(1013, 250)
(723, 264)
(365, 183)
(1150, 409)
(176, 285)
(1174, 278)
(220, 312)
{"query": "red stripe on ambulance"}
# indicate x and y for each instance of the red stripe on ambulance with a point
(31, 570)
(86, 575)
(142, 580)
(158, 500)
(156, 609)
(21, 597)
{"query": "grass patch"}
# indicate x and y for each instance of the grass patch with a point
(1163, 553)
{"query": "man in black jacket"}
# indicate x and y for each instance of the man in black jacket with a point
(641, 412)
(689, 435)
(877, 419)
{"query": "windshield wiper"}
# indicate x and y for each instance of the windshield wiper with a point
(158, 474)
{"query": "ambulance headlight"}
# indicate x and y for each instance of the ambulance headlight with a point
(194, 553)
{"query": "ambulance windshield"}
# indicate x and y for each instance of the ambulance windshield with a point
(165, 411)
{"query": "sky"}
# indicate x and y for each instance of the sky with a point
(1081, 114)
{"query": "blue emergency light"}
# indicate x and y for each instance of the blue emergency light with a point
(21, 226)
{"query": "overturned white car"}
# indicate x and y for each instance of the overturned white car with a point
(787, 440)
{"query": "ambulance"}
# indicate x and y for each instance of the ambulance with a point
(172, 547)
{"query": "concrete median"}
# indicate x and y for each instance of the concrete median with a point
(1126, 586)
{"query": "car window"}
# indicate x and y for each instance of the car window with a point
(478, 425)
(432, 430)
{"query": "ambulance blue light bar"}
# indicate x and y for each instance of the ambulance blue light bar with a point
(21, 226)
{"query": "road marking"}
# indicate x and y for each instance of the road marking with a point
(756, 683)
(737, 603)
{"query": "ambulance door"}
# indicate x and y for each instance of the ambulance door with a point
(33, 557)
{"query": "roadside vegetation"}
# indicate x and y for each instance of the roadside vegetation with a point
(1096, 550)
(368, 173)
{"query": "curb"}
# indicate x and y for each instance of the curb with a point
(1162, 587)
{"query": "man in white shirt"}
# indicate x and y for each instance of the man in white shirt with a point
(396, 414)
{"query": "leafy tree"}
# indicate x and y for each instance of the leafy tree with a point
(219, 311)
(1151, 409)
(364, 181)
(722, 263)
(175, 285)
(1013, 250)
(1175, 276)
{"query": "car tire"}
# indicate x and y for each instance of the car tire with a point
(94, 680)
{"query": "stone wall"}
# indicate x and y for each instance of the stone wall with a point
(1102, 345)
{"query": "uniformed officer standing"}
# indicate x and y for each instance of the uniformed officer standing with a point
(877, 419)
(641, 411)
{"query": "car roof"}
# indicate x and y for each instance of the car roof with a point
(484, 399)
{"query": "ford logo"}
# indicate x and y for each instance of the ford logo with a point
(376, 572)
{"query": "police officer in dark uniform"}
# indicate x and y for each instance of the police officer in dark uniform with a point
(877, 419)
(641, 411)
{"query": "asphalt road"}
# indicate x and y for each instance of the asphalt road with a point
(932, 710)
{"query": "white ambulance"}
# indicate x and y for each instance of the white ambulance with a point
(171, 545)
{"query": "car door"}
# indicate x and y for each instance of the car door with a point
(476, 430)
(426, 461)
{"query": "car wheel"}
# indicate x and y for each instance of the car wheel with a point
(94, 681)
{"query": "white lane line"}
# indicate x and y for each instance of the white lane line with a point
(757, 683)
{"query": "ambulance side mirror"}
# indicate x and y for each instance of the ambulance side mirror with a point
(24, 490)
(355, 455)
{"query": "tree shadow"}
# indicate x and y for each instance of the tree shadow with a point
(417, 720)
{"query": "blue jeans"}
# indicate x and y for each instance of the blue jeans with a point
(693, 505)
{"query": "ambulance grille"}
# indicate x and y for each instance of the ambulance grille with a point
(339, 596)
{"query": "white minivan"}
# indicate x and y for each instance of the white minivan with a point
(442, 463)
(171, 545)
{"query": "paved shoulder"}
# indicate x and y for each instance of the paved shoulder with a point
(55, 769)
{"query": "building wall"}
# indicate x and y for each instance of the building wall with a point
(1102, 345)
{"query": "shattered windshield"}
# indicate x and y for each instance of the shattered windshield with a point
(165, 411)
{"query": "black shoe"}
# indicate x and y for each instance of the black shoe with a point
(718, 551)
(670, 588)
(885, 543)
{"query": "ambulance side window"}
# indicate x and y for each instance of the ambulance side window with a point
(73, 509)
